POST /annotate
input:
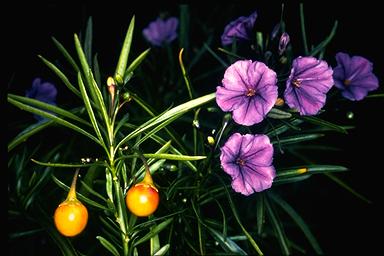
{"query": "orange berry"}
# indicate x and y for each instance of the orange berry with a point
(71, 217)
(142, 199)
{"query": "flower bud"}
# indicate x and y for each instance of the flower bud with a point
(284, 40)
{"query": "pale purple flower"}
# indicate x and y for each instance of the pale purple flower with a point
(283, 42)
(248, 159)
(42, 91)
(239, 28)
(161, 31)
(354, 77)
(307, 85)
(249, 90)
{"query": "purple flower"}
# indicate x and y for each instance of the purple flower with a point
(283, 42)
(249, 90)
(161, 31)
(307, 85)
(239, 28)
(42, 91)
(248, 159)
(354, 77)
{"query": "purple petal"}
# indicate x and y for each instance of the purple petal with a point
(239, 28)
(161, 31)
(248, 159)
(249, 90)
(307, 85)
(254, 180)
(227, 99)
(354, 77)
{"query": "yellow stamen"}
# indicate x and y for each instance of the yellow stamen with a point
(347, 82)
(251, 92)
(296, 82)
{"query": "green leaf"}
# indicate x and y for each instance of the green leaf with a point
(276, 113)
(157, 229)
(100, 163)
(303, 33)
(226, 243)
(184, 26)
(179, 110)
(67, 56)
(260, 210)
(92, 191)
(88, 40)
(290, 179)
(310, 169)
(28, 132)
(53, 118)
(48, 107)
(99, 101)
(347, 187)
(285, 127)
(109, 185)
(220, 60)
(277, 226)
(298, 138)
(134, 64)
(80, 196)
(123, 59)
(61, 75)
(162, 251)
(174, 157)
(320, 122)
(89, 109)
(108, 245)
(236, 215)
(326, 41)
(298, 220)
(24, 234)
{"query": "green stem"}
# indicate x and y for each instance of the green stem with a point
(72, 190)
(304, 34)
(120, 215)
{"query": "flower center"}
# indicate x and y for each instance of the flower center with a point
(251, 92)
(240, 161)
(347, 82)
(296, 83)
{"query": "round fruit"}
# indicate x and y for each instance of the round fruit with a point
(142, 199)
(71, 217)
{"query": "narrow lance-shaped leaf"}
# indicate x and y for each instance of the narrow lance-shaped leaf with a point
(61, 75)
(89, 109)
(67, 56)
(299, 221)
(179, 110)
(318, 121)
(53, 118)
(162, 251)
(226, 243)
(298, 138)
(48, 107)
(28, 132)
(134, 64)
(88, 40)
(108, 245)
(279, 231)
(123, 59)
(80, 196)
(84, 65)
(326, 41)
(154, 231)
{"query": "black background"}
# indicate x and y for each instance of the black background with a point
(343, 223)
